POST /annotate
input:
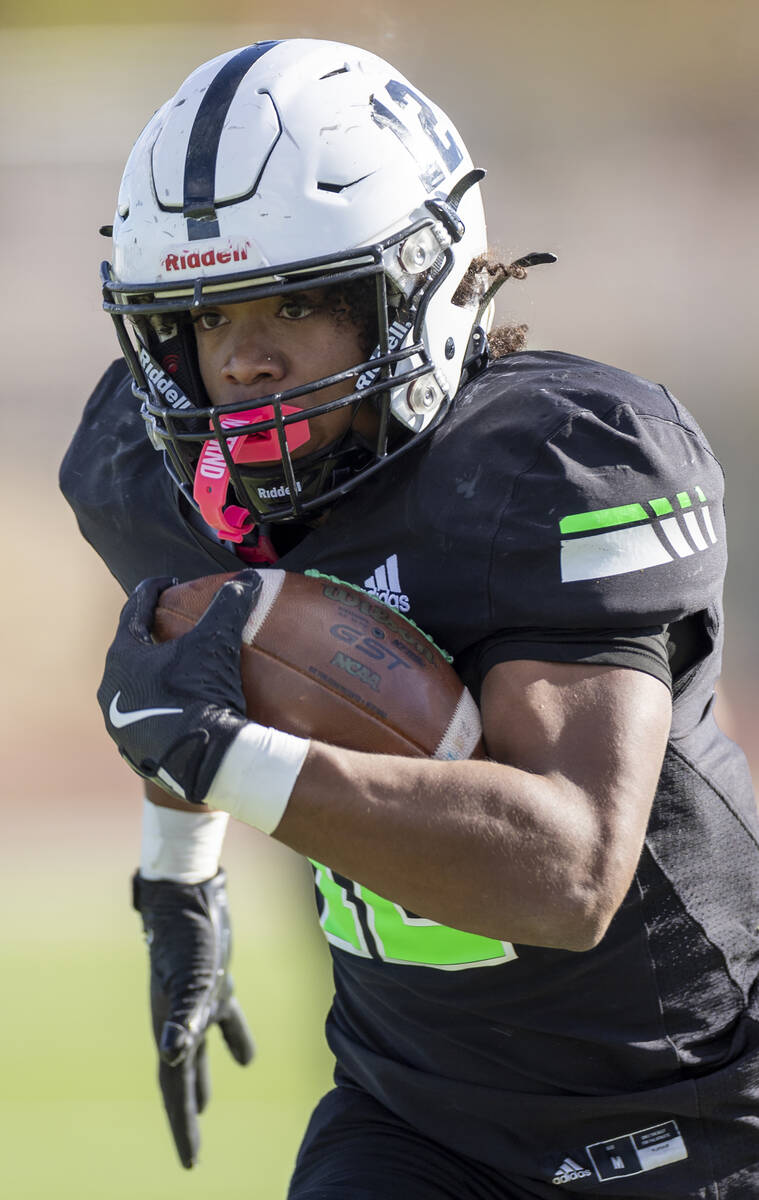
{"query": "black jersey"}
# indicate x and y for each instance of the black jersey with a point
(563, 511)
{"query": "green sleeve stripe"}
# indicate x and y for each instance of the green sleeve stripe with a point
(700, 495)
(661, 506)
(684, 500)
(603, 518)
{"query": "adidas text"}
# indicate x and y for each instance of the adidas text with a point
(569, 1171)
(392, 599)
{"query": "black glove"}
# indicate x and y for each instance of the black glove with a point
(173, 709)
(188, 932)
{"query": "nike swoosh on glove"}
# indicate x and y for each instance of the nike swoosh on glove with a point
(174, 708)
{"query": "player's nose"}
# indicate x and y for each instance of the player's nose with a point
(253, 357)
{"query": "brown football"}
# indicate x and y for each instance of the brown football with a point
(323, 659)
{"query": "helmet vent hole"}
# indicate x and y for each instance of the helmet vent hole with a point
(338, 71)
(323, 186)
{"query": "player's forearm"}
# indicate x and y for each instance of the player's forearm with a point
(474, 845)
(180, 842)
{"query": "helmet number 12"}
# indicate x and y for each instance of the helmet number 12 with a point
(447, 148)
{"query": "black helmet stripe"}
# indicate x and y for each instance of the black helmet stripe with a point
(203, 147)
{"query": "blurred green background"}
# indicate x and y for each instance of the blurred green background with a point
(622, 134)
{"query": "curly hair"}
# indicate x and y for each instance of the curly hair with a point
(482, 279)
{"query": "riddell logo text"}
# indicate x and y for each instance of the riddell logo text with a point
(191, 260)
(278, 493)
(162, 382)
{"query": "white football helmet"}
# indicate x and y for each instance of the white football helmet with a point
(275, 166)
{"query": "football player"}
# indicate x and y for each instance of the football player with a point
(545, 962)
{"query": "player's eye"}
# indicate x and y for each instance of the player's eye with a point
(295, 308)
(207, 319)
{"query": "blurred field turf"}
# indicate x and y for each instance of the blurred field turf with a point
(80, 1113)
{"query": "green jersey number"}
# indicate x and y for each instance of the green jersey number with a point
(399, 936)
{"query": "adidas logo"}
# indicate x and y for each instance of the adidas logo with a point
(385, 584)
(568, 1171)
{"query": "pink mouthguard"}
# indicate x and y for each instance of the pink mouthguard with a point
(212, 473)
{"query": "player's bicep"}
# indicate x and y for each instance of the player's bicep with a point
(599, 734)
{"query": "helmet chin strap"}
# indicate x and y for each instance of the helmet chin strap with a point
(212, 475)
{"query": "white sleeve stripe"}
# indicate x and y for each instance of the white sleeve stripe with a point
(709, 526)
(691, 522)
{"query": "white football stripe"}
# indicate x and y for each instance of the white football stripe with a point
(612, 553)
(272, 582)
(463, 732)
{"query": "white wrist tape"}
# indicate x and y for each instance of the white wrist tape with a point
(182, 846)
(257, 775)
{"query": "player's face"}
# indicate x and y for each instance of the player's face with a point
(250, 350)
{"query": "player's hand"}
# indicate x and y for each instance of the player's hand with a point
(174, 708)
(188, 932)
